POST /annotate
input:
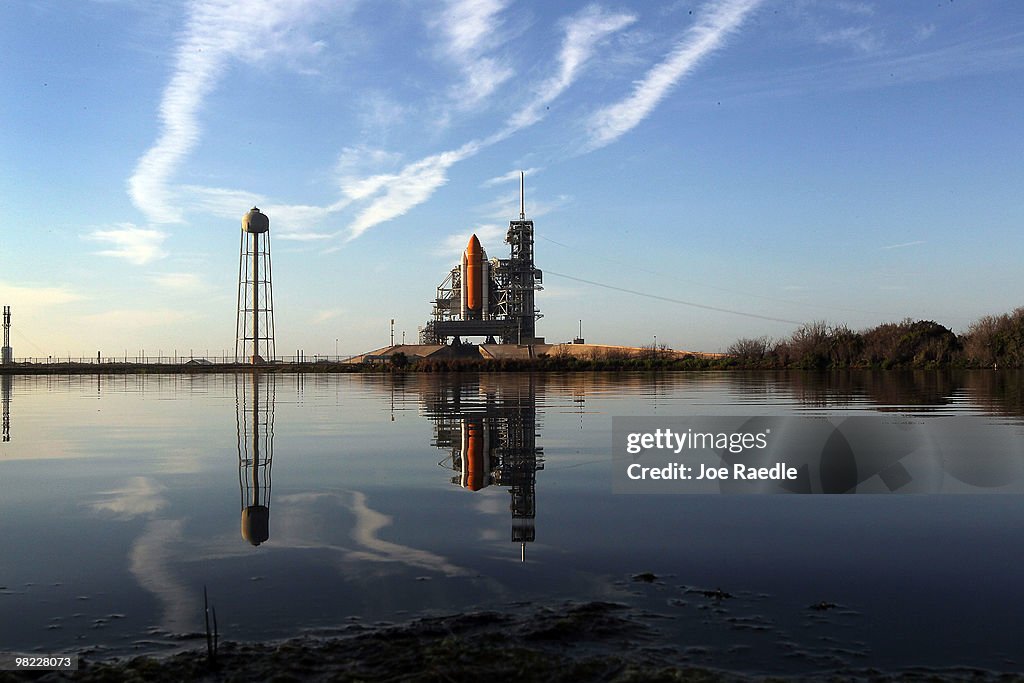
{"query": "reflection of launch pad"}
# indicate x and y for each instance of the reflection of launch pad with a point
(492, 436)
(492, 299)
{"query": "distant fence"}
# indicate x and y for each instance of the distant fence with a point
(172, 360)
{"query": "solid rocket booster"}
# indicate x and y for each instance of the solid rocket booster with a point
(475, 279)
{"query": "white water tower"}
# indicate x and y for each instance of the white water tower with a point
(254, 323)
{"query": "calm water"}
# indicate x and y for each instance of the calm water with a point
(375, 499)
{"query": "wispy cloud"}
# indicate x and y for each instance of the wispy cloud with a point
(861, 38)
(295, 221)
(503, 207)
(509, 177)
(37, 297)
(487, 234)
(416, 182)
(469, 24)
(953, 59)
(217, 32)
(306, 236)
(131, 319)
(368, 524)
(411, 186)
(583, 32)
(380, 113)
(152, 559)
(288, 221)
(706, 36)
(471, 30)
(301, 530)
(328, 314)
(132, 243)
(178, 282)
(923, 33)
(860, 8)
(903, 245)
(141, 496)
(219, 201)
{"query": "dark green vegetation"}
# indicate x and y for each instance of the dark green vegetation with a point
(652, 359)
(991, 342)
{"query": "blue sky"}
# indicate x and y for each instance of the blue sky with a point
(848, 161)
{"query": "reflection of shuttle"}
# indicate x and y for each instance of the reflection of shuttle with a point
(476, 455)
(476, 276)
(492, 438)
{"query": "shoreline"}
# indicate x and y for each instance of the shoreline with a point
(540, 365)
(573, 641)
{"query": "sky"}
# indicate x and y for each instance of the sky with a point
(698, 171)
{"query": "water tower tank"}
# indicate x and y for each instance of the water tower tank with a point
(256, 523)
(255, 221)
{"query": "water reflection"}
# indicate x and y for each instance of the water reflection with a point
(5, 396)
(1000, 392)
(490, 431)
(368, 527)
(254, 414)
(946, 391)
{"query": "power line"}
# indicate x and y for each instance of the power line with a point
(28, 341)
(675, 301)
(776, 299)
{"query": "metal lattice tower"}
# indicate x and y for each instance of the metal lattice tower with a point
(254, 412)
(254, 324)
(7, 353)
(523, 276)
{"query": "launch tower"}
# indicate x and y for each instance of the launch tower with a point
(522, 279)
(492, 299)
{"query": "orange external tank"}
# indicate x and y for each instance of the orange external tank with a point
(474, 458)
(474, 275)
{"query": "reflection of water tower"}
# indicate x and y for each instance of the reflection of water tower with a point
(5, 388)
(254, 324)
(7, 356)
(254, 400)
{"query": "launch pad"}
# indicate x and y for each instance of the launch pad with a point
(493, 298)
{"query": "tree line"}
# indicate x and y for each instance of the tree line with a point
(990, 342)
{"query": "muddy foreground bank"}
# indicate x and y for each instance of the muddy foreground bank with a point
(594, 641)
